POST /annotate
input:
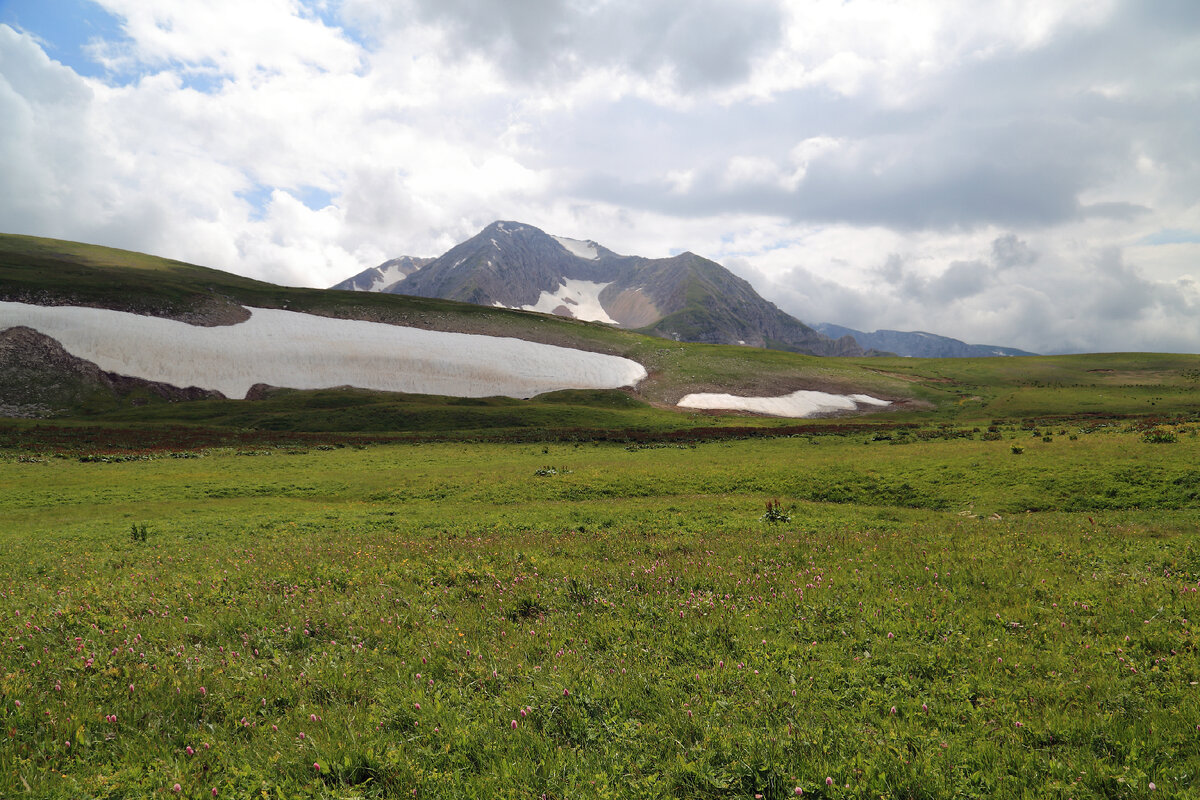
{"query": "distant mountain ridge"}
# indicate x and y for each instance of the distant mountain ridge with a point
(383, 277)
(919, 344)
(683, 297)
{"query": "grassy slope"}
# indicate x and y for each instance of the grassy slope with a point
(45, 270)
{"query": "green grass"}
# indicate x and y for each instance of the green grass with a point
(387, 613)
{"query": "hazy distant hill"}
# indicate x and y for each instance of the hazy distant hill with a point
(919, 344)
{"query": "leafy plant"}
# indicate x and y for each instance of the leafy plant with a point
(138, 533)
(775, 513)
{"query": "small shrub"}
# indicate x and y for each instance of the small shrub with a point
(1047, 438)
(138, 533)
(1017, 450)
(775, 513)
(1159, 436)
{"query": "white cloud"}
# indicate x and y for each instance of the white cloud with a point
(226, 39)
(801, 144)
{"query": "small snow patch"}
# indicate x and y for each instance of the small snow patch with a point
(387, 277)
(866, 399)
(797, 404)
(579, 248)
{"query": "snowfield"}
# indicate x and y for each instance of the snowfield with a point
(797, 404)
(581, 297)
(578, 248)
(304, 351)
(387, 277)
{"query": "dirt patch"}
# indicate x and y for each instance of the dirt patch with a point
(907, 378)
(211, 312)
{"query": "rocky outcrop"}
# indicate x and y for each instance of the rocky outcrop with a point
(40, 379)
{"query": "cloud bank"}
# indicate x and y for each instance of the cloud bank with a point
(1019, 175)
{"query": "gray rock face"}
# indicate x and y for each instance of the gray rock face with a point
(685, 297)
(511, 264)
(918, 344)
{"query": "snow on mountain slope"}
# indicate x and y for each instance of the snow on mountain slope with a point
(303, 351)
(579, 248)
(797, 404)
(581, 299)
(387, 274)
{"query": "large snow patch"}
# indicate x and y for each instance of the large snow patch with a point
(578, 248)
(797, 404)
(581, 298)
(303, 351)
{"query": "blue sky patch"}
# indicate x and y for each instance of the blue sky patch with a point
(258, 196)
(65, 27)
(311, 196)
(1171, 236)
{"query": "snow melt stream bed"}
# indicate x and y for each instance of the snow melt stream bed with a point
(797, 404)
(304, 351)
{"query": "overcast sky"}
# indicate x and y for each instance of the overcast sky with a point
(1022, 173)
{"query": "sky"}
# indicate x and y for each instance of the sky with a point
(1019, 172)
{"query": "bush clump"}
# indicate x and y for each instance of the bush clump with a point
(775, 513)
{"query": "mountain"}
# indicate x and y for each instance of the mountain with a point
(684, 297)
(919, 344)
(383, 277)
